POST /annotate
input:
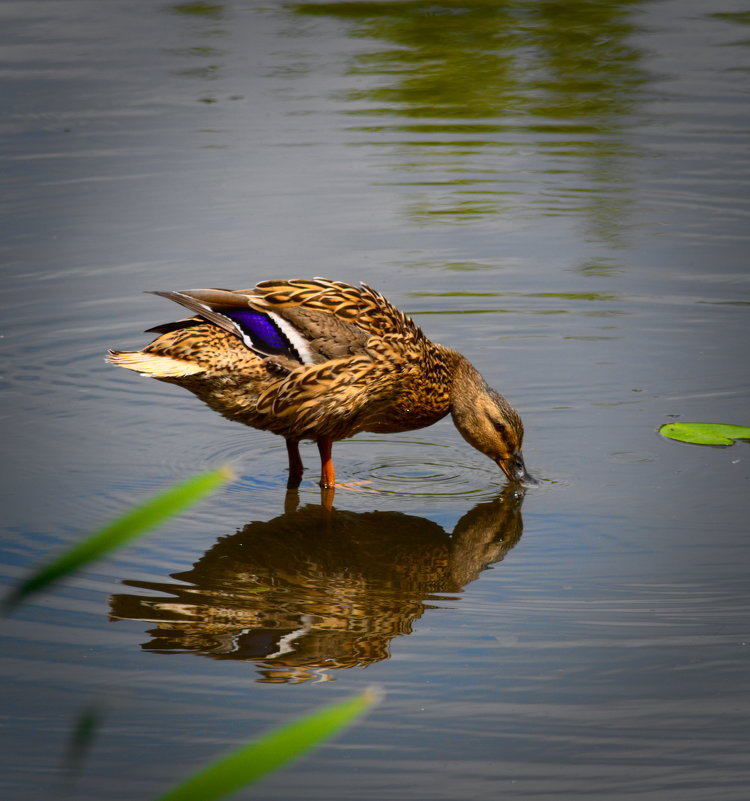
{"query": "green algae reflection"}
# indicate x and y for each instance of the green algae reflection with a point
(473, 95)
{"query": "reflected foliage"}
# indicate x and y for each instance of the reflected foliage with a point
(484, 59)
(737, 18)
(212, 11)
(459, 79)
(447, 60)
(315, 589)
(205, 15)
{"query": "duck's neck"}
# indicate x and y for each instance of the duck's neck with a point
(466, 387)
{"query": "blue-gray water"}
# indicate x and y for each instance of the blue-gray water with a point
(558, 190)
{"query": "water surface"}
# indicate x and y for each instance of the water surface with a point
(558, 190)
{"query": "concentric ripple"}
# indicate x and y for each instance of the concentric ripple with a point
(413, 468)
(419, 468)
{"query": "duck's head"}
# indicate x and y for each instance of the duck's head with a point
(488, 422)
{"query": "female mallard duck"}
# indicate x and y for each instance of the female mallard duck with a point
(324, 360)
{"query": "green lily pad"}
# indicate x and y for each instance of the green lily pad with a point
(705, 433)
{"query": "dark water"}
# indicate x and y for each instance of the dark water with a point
(558, 190)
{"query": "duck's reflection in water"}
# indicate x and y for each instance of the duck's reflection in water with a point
(315, 589)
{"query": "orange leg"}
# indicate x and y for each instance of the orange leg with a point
(295, 464)
(327, 475)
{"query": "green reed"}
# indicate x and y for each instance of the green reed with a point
(240, 767)
(251, 762)
(125, 528)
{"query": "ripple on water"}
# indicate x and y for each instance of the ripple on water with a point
(416, 468)
(420, 468)
(403, 468)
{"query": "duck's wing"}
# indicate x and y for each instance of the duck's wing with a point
(308, 321)
(360, 305)
(264, 332)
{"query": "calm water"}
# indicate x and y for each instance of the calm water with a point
(559, 190)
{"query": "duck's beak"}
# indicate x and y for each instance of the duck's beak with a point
(515, 469)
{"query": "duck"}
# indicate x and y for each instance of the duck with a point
(323, 360)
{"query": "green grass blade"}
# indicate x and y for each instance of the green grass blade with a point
(251, 762)
(127, 527)
(705, 433)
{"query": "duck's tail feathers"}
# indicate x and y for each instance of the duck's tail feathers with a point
(152, 364)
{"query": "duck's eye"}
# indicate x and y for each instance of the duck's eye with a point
(500, 427)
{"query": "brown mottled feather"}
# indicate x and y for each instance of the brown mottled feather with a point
(370, 368)
(362, 306)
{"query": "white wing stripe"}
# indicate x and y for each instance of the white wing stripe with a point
(298, 342)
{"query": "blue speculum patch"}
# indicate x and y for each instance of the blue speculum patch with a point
(262, 331)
